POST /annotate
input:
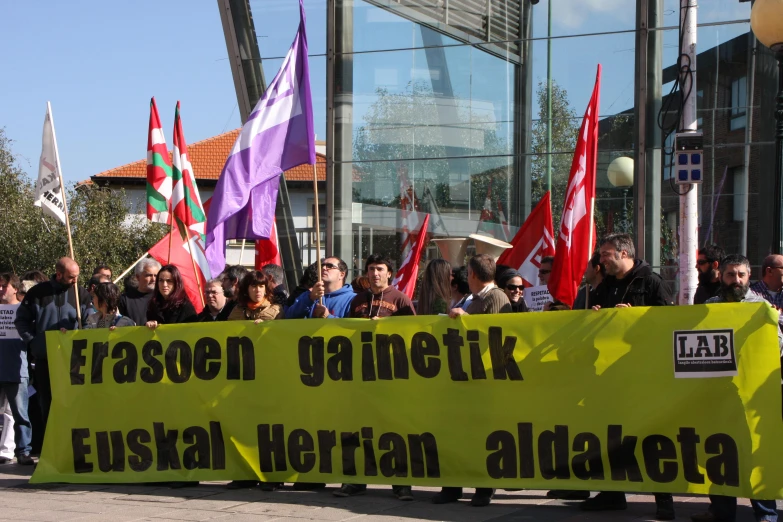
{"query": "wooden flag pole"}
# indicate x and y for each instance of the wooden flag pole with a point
(171, 231)
(195, 270)
(244, 237)
(65, 210)
(119, 277)
(590, 249)
(317, 222)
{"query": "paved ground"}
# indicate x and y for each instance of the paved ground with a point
(211, 501)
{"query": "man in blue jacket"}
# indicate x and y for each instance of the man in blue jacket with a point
(337, 296)
(50, 306)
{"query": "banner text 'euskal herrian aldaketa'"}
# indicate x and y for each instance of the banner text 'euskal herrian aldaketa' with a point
(669, 399)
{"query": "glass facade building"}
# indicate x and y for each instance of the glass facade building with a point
(468, 110)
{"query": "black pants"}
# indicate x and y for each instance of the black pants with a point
(43, 388)
(457, 492)
(619, 496)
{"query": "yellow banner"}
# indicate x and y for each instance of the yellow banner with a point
(670, 399)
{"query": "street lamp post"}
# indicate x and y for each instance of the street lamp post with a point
(766, 20)
(620, 174)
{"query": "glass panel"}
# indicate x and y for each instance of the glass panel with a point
(463, 196)
(276, 22)
(708, 11)
(442, 102)
(574, 17)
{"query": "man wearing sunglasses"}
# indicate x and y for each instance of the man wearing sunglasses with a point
(707, 263)
(337, 296)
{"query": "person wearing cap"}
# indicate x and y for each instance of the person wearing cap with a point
(510, 281)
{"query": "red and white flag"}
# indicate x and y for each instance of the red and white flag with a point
(268, 251)
(405, 281)
(533, 241)
(409, 210)
(575, 237)
(180, 257)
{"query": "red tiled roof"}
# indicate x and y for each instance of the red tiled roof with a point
(208, 157)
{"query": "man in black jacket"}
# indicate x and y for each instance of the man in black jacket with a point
(134, 301)
(628, 282)
(707, 264)
(50, 306)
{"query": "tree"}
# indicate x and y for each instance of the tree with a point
(565, 127)
(102, 229)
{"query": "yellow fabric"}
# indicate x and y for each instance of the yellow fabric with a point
(311, 400)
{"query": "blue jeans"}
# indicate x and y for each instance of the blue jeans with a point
(16, 392)
(725, 508)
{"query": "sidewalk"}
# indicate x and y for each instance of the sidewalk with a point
(211, 501)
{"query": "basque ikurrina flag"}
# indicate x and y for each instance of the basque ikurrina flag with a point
(277, 136)
(185, 199)
(158, 170)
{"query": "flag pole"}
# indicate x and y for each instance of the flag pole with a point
(195, 270)
(590, 247)
(317, 221)
(65, 209)
(171, 230)
(119, 277)
(244, 238)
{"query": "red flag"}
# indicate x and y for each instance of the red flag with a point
(405, 281)
(180, 257)
(533, 241)
(574, 241)
(268, 251)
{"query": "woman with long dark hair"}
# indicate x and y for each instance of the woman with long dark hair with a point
(435, 290)
(169, 303)
(253, 301)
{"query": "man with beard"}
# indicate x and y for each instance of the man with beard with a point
(50, 306)
(734, 288)
(707, 264)
(231, 277)
(770, 287)
(133, 301)
(628, 282)
(379, 301)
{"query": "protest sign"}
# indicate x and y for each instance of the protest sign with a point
(575, 400)
(7, 317)
(536, 297)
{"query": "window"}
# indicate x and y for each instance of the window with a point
(668, 156)
(700, 103)
(738, 173)
(738, 96)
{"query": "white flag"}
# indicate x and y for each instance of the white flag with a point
(48, 188)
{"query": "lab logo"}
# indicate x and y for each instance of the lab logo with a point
(704, 353)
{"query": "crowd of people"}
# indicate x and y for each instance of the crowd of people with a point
(155, 296)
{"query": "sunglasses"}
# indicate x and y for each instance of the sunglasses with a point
(511, 288)
(329, 266)
(702, 262)
(544, 272)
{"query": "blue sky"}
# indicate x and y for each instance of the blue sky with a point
(100, 62)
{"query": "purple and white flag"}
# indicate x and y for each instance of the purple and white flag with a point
(277, 136)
